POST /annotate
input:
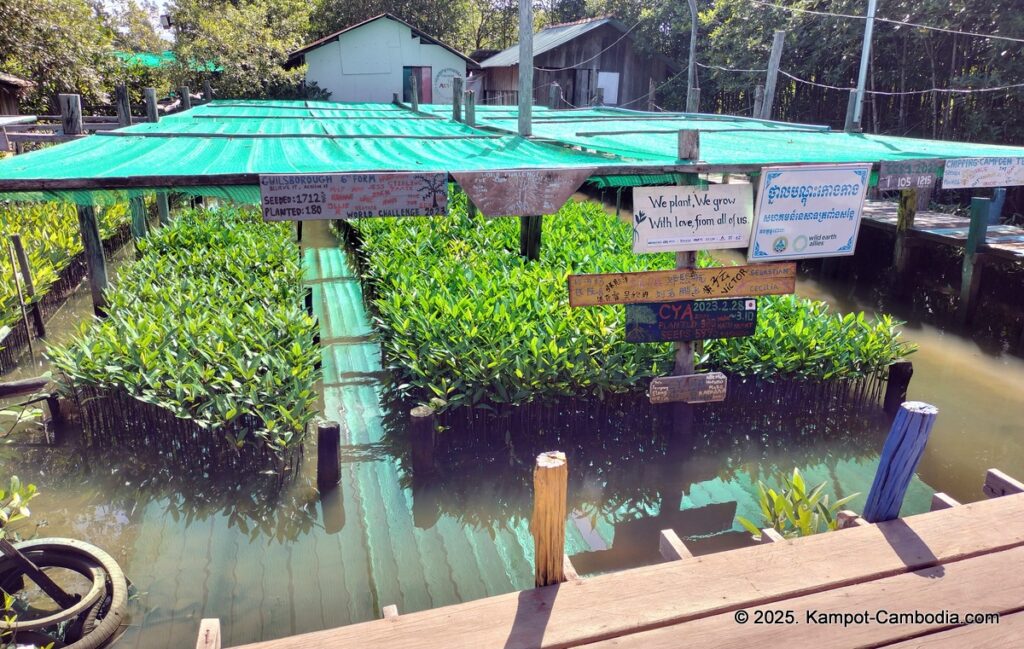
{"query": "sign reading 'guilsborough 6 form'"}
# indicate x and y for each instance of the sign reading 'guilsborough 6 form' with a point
(676, 219)
(807, 212)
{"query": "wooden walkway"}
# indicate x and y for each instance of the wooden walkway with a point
(1005, 241)
(962, 560)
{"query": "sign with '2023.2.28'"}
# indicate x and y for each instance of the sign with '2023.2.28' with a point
(808, 211)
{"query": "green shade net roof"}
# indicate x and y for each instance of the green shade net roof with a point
(162, 59)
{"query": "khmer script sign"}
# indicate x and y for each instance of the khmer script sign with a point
(680, 218)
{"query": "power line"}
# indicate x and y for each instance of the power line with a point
(576, 65)
(966, 91)
(888, 20)
(718, 67)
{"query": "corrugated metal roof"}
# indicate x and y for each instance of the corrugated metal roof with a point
(549, 39)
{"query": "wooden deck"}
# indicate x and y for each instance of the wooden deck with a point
(962, 559)
(1005, 241)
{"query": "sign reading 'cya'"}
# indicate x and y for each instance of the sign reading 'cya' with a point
(691, 320)
(681, 218)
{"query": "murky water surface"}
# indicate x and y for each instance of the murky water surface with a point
(270, 558)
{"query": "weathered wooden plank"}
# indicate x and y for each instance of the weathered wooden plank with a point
(1005, 635)
(521, 192)
(771, 535)
(671, 547)
(849, 519)
(981, 584)
(999, 484)
(609, 606)
(903, 449)
(689, 388)
(209, 634)
(942, 501)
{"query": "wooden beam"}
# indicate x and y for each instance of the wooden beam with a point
(848, 519)
(48, 138)
(95, 262)
(671, 547)
(903, 449)
(389, 612)
(942, 501)
(771, 535)
(209, 634)
(999, 484)
(550, 485)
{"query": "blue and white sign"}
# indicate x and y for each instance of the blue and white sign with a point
(809, 211)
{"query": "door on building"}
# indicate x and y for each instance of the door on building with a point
(586, 83)
(425, 83)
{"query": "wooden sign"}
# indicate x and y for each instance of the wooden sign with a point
(682, 284)
(904, 174)
(521, 192)
(966, 173)
(675, 219)
(690, 388)
(306, 197)
(691, 320)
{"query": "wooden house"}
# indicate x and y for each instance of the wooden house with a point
(11, 90)
(581, 57)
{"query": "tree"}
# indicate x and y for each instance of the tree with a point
(443, 20)
(133, 27)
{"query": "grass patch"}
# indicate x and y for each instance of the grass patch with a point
(209, 325)
(465, 320)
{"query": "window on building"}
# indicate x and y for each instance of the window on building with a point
(425, 83)
(609, 83)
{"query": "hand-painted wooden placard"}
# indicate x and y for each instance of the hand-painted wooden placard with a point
(307, 197)
(521, 192)
(966, 173)
(690, 388)
(679, 218)
(904, 174)
(681, 284)
(691, 320)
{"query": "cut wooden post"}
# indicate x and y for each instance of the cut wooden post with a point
(457, 99)
(999, 484)
(970, 278)
(94, 260)
(900, 454)
(942, 501)
(896, 386)
(848, 518)
(851, 125)
(185, 97)
(421, 430)
(904, 223)
(651, 101)
(209, 634)
(207, 91)
(599, 97)
(554, 94)
(414, 90)
(771, 535)
(30, 289)
(758, 101)
(390, 611)
(774, 59)
(137, 206)
(671, 547)
(689, 145)
(471, 107)
(328, 455)
(550, 491)
(525, 68)
(152, 107)
(530, 236)
(163, 208)
(124, 108)
(70, 113)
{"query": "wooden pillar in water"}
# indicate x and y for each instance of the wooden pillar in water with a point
(421, 431)
(905, 215)
(96, 264)
(902, 451)
(457, 99)
(896, 386)
(550, 492)
(30, 289)
(152, 107)
(328, 452)
(124, 108)
(970, 277)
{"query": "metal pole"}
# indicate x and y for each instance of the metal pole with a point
(525, 67)
(864, 54)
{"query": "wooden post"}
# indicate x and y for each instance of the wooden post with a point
(651, 99)
(21, 299)
(207, 91)
(896, 386)
(554, 95)
(525, 68)
(530, 236)
(942, 501)
(550, 491)
(970, 278)
(471, 108)
(900, 454)
(851, 125)
(692, 84)
(152, 107)
(30, 290)
(94, 260)
(758, 101)
(995, 209)
(904, 223)
(671, 547)
(689, 145)
(163, 208)
(185, 97)
(414, 90)
(618, 202)
(124, 108)
(999, 484)
(137, 206)
(328, 452)
(70, 113)
(421, 432)
(599, 97)
(773, 73)
(457, 99)
(209, 634)
(693, 100)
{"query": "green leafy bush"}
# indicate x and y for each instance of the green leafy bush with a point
(209, 323)
(795, 510)
(465, 319)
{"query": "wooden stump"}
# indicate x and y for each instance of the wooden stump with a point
(900, 454)
(897, 385)
(328, 451)
(550, 490)
(152, 107)
(421, 429)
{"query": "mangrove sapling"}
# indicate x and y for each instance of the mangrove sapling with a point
(795, 510)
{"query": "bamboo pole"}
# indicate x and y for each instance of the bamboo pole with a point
(21, 299)
(30, 291)
(550, 491)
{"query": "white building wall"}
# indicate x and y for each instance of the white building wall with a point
(365, 64)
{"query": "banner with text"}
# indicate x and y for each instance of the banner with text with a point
(967, 173)
(305, 197)
(679, 218)
(808, 212)
(691, 320)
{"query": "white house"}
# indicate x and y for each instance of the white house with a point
(376, 58)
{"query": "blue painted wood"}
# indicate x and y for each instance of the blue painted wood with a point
(900, 454)
(995, 209)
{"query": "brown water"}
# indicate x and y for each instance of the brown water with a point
(272, 560)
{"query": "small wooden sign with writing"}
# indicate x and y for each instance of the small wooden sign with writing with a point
(521, 192)
(904, 174)
(682, 284)
(307, 197)
(691, 320)
(690, 388)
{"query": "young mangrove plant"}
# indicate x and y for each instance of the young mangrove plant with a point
(464, 319)
(209, 325)
(794, 509)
